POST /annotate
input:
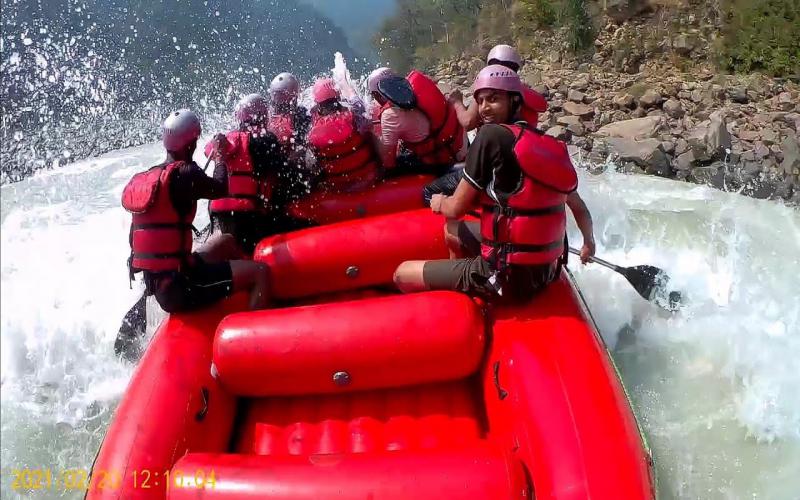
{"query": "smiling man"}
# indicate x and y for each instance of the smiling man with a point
(522, 180)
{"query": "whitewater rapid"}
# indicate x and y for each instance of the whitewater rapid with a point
(715, 386)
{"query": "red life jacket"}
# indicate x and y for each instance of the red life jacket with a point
(530, 227)
(533, 103)
(282, 125)
(246, 192)
(446, 137)
(345, 155)
(161, 238)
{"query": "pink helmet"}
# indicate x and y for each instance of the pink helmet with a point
(284, 88)
(504, 53)
(499, 78)
(378, 76)
(180, 129)
(324, 90)
(252, 108)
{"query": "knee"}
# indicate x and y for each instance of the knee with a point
(408, 277)
(399, 275)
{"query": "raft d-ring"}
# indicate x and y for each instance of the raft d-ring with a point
(341, 378)
(352, 272)
(200, 415)
(501, 393)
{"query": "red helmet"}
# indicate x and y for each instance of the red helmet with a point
(499, 78)
(324, 90)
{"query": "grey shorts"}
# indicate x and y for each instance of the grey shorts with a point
(471, 275)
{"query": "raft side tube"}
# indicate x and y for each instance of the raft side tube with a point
(350, 255)
(172, 405)
(550, 391)
(349, 346)
(479, 472)
(390, 196)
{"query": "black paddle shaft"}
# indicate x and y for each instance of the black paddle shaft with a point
(649, 281)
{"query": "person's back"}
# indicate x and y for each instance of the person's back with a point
(341, 140)
(163, 201)
(414, 115)
(256, 163)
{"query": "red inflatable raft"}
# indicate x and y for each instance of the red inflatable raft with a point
(390, 196)
(372, 394)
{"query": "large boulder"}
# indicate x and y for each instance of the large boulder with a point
(650, 99)
(559, 132)
(637, 128)
(576, 96)
(646, 153)
(673, 108)
(685, 161)
(573, 124)
(582, 110)
(625, 101)
(710, 140)
(791, 156)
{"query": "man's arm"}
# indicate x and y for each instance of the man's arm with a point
(468, 117)
(584, 220)
(390, 137)
(455, 207)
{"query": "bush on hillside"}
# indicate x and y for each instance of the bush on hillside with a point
(761, 35)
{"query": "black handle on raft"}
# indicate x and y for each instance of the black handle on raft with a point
(200, 415)
(501, 393)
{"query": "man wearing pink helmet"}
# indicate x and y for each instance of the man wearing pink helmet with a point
(163, 201)
(521, 180)
(532, 102)
(257, 178)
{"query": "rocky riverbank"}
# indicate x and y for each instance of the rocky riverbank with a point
(662, 114)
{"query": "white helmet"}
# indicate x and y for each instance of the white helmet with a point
(284, 88)
(252, 108)
(504, 54)
(180, 129)
(377, 76)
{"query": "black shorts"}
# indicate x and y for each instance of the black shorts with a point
(471, 275)
(201, 285)
(247, 228)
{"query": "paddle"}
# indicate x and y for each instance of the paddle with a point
(649, 281)
(134, 323)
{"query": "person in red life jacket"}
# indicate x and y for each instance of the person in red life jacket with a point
(163, 200)
(258, 176)
(288, 120)
(417, 129)
(341, 140)
(522, 180)
(533, 103)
